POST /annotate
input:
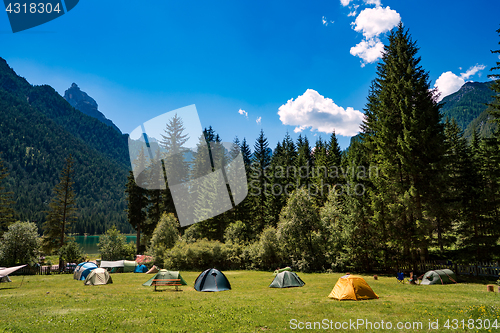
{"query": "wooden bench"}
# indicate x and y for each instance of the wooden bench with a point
(167, 282)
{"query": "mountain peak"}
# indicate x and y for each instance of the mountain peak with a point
(86, 104)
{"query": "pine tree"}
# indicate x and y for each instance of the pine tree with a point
(404, 134)
(259, 180)
(6, 202)
(62, 210)
(303, 162)
(136, 209)
(495, 86)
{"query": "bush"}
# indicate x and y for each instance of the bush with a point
(235, 232)
(72, 252)
(266, 252)
(113, 246)
(164, 237)
(20, 244)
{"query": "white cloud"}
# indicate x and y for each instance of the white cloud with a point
(375, 21)
(373, 2)
(325, 21)
(472, 71)
(368, 50)
(345, 2)
(243, 112)
(259, 120)
(449, 83)
(372, 22)
(314, 111)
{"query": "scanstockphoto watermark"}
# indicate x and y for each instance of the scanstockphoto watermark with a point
(284, 180)
(360, 324)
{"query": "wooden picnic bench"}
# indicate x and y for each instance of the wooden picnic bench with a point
(167, 282)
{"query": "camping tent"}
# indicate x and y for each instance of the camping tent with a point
(212, 280)
(97, 277)
(126, 265)
(6, 271)
(165, 274)
(439, 276)
(83, 269)
(140, 269)
(286, 279)
(352, 287)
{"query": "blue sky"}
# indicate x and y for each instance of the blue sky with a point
(295, 66)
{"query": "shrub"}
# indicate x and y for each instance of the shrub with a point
(164, 237)
(113, 246)
(72, 252)
(20, 244)
(235, 232)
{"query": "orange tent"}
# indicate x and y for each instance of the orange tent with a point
(352, 287)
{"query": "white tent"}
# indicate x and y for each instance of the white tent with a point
(6, 271)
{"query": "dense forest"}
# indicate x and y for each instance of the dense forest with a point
(409, 188)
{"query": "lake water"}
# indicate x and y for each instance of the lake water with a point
(89, 243)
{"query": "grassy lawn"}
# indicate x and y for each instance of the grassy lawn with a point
(56, 303)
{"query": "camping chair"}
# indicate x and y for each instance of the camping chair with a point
(401, 277)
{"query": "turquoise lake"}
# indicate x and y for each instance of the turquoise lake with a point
(89, 243)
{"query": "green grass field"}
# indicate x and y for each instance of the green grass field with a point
(56, 303)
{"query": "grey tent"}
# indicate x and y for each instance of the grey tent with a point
(439, 276)
(212, 280)
(286, 279)
(97, 277)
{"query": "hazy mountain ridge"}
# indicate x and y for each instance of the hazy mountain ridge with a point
(81, 101)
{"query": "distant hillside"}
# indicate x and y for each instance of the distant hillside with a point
(468, 103)
(39, 129)
(86, 104)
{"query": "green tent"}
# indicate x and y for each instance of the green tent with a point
(286, 279)
(164, 274)
(439, 276)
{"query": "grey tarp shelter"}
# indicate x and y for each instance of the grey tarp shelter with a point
(286, 279)
(6, 271)
(439, 276)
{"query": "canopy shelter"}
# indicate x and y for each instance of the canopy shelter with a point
(351, 287)
(6, 271)
(126, 265)
(83, 269)
(286, 279)
(212, 280)
(164, 274)
(439, 276)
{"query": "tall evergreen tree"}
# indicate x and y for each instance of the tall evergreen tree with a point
(62, 210)
(303, 162)
(6, 202)
(259, 181)
(137, 200)
(405, 136)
